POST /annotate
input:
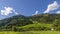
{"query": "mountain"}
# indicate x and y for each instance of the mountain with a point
(45, 18)
(16, 21)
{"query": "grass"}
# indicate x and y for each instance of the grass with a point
(32, 32)
(41, 32)
(36, 25)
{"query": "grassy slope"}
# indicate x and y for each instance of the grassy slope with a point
(36, 25)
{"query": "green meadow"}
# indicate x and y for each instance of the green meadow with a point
(32, 32)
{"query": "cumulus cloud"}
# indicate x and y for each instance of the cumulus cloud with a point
(51, 7)
(58, 12)
(7, 10)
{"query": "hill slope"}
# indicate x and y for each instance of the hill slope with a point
(17, 21)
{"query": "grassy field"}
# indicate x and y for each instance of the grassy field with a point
(41, 32)
(32, 32)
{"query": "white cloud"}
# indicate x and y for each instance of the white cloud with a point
(51, 7)
(7, 10)
(36, 12)
(58, 12)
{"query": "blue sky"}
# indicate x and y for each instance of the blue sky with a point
(25, 7)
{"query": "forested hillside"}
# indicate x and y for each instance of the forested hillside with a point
(36, 22)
